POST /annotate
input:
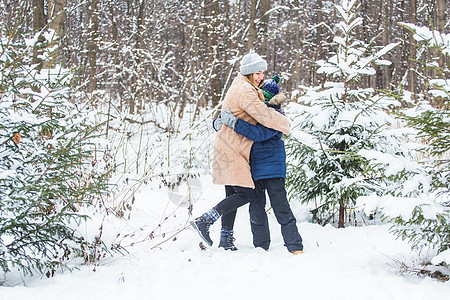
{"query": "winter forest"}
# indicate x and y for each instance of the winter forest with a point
(106, 146)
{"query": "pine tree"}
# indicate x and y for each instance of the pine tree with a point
(433, 125)
(48, 166)
(341, 119)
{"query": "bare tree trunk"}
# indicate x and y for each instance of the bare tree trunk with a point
(440, 23)
(252, 27)
(412, 52)
(56, 14)
(92, 46)
(318, 53)
(39, 21)
(215, 43)
(56, 10)
(262, 27)
(341, 221)
(440, 15)
(11, 9)
(387, 70)
(298, 44)
(137, 97)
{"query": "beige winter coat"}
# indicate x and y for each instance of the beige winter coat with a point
(232, 150)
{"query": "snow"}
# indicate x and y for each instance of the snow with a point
(349, 263)
(322, 119)
(433, 37)
(399, 206)
(439, 93)
(444, 256)
(395, 163)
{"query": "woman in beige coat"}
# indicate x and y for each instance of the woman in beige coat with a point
(232, 151)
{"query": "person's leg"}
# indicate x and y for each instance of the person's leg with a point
(226, 233)
(258, 217)
(242, 195)
(280, 205)
(228, 218)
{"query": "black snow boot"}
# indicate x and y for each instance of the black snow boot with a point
(201, 224)
(227, 239)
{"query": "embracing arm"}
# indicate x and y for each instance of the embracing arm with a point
(264, 115)
(256, 133)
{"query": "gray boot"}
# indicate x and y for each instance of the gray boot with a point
(202, 224)
(227, 239)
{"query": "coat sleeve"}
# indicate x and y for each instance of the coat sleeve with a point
(256, 133)
(264, 115)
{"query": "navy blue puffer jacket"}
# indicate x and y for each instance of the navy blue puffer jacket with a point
(267, 156)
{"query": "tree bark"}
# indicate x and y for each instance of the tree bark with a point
(39, 21)
(215, 43)
(440, 25)
(92, 46)
(252, 27)
(11, 9)
(440, 15)
(341, 221)
(136, 100)
(318, 52)
(297, 23)
(386, 16)
(57, 15)
(412, 53)
(262, 27)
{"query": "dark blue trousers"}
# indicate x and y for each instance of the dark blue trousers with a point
(228, 218)
(236, 196)
(258, 218)
(275, 188)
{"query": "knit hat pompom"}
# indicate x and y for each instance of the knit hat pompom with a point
(270, 88)
(252, 63)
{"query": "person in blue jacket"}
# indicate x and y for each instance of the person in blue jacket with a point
(268, 169)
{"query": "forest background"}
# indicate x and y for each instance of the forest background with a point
(143, 51)
(105, 96)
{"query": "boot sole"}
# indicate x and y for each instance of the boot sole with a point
(200, 233)
(229, 248)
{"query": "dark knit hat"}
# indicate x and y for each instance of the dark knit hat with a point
(270, 87)
(252, 63)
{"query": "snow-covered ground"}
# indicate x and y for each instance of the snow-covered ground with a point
(351, 263)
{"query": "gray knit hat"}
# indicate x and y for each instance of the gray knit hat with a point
(252, 63)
